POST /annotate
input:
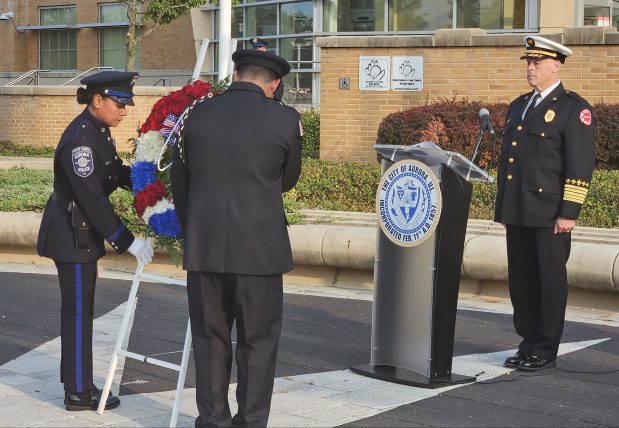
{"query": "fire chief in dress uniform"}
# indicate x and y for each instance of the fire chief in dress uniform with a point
(238, 153)
(547, 160)
(79, 216)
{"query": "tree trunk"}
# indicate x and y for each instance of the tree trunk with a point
(132, 33)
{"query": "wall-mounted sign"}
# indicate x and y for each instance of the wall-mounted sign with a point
(407, 73)
(374, 73)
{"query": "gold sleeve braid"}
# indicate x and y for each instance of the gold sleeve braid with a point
(575, 190)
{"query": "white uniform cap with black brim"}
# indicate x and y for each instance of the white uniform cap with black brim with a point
(540, 47)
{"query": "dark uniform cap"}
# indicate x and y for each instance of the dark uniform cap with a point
(258, 43)
(540, 47)
(117, 85)
(264, 59)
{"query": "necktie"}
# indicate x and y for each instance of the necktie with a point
(531, 105)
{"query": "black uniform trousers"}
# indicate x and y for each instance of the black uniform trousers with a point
(216, 301)
(538, 286)
(77, 289)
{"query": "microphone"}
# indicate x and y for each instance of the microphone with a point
(484, 114)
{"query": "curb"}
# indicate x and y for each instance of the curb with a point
(593, 264)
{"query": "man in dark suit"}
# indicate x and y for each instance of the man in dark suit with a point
(547, 160)
(238, 153)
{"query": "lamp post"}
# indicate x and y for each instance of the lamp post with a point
(225, 26)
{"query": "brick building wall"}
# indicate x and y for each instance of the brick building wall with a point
(468, 65)
(170, 47)
(37, 116)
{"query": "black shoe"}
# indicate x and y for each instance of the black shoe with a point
(533, 363)
(514, 362)
(89, 400)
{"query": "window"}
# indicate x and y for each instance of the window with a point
(57, 48)
(113, 40)
(597, 13)
(491, 14)
(298, 89)
(237, 22)
(423, 15)
(297, 18)
(427, 15)
(297, 51)
(598, 16)
(261, 20)
(354, 15)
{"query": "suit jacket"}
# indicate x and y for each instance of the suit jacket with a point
(242, 151)
(86, 170)
(547, 160)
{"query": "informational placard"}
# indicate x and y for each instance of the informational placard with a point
(407, 73)
(374, 73)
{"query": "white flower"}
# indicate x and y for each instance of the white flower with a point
(148, 147)
(161, 206)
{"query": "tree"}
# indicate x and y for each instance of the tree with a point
(155, 13)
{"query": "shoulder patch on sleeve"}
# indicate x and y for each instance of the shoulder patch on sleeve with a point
(585, 116)
(83, 164)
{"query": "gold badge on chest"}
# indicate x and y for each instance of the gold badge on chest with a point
(549, 116)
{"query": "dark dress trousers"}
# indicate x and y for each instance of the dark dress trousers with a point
(86, 170)
(545, 170)
(242, 151)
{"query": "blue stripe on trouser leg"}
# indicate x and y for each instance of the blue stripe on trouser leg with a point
(78, 326)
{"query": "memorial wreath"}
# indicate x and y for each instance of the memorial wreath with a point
(150, 173)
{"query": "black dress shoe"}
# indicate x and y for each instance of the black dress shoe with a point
(532, 363)
(88, 400)
(515, 361)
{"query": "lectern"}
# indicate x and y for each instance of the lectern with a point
(422, 204)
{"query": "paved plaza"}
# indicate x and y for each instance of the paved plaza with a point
(325, 331)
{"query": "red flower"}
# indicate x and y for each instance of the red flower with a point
(176, 102)
(149, 196)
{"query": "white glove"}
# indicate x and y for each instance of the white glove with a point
(142, 250)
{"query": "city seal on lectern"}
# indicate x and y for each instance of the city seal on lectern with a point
(408, 203)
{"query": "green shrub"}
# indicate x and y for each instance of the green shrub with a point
(310, 119)
(338, 186)
(8, 148)
(25, 189)
(601, 208)
(607, 135)
(454, 125)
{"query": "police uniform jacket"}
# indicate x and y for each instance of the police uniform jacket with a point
(242, 151)
(547, 160)
(86, 170)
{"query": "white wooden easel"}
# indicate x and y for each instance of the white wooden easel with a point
(123, 335)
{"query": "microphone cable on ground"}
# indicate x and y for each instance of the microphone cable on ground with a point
(518, 374)
(585, 372)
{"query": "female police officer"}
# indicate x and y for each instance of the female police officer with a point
(79, 216)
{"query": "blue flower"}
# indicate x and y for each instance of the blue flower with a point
(142, 174)
(165, 224)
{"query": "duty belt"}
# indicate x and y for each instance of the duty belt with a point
(61, 201)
